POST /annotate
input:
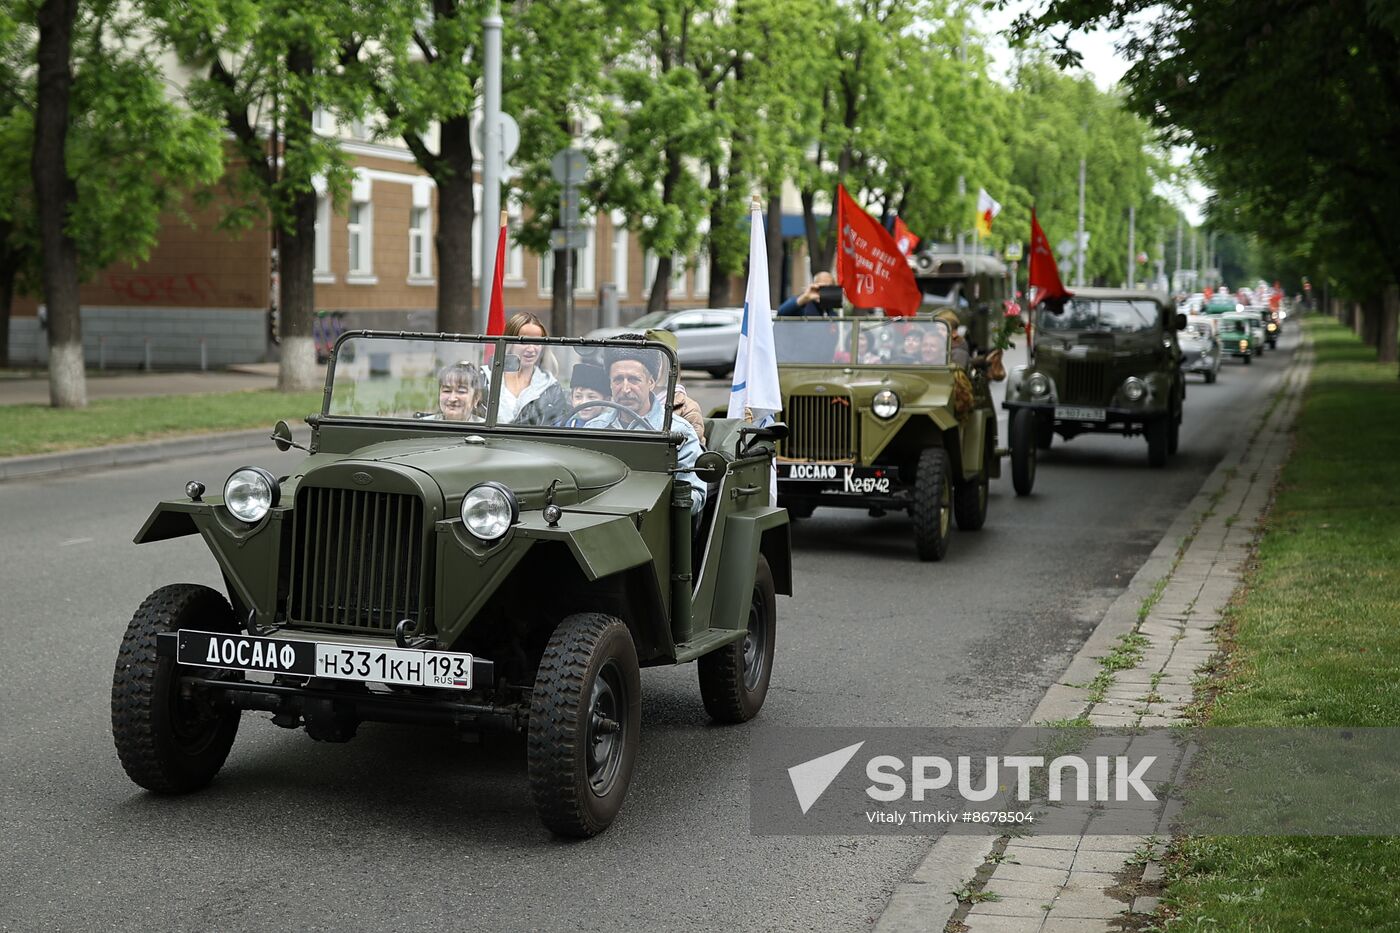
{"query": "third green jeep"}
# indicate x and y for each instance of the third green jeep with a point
(874, 423)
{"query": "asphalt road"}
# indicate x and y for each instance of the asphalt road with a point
(408, 828)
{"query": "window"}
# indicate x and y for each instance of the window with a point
(419, 244)
(677, 277)
(585, 267)
(648, 272)
(619, 254)
(701, 283)
(359, 129)
(361, 229)
(323, 236)
(320, 120)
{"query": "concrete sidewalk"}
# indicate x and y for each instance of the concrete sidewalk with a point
(104, 385)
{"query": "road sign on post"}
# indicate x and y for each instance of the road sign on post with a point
(1013, 252)
(568, 238)
(569, 167)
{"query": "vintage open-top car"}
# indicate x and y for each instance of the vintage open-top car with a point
(1239, 335)
(872, 407)
(432, 561)
(1104, 361)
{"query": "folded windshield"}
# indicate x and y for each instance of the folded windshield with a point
(507, 381)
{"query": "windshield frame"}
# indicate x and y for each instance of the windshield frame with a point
(852, 341)
(498, 349)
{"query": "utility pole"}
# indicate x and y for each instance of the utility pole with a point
(1079, 234)
(1195, 269)
(492, 156)
(962, 205)
(1132, 246)
(1176, 270)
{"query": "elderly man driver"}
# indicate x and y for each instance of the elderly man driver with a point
(634, 376)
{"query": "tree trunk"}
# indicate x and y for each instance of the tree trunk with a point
(774, 235)
(809, 223)
(296, 252)
(660, 297)
(558, 305)
(1387, 350)
(456, 214)
(55, 195)
(9, 268)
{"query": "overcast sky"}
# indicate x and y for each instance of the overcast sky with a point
(1101, 60)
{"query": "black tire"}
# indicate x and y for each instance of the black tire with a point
(585, 724)
(1210, 378)
(1248, 359)
(970, 498)
(1044, 433)
(1173, 435)
(169, 743)
(734, 680)
(933, 501)
(1023, 451)
(720, 372)
(1157, 441)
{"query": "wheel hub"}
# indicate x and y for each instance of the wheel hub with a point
(604, 739)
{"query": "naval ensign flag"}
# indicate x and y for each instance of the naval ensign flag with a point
(755, 386)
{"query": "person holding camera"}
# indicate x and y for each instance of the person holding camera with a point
(808, 304)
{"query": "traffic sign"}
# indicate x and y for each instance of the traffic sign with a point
(1013, 252)
(569, 207)
(510, 135)
(1064, 249)
(576, 238)
(569, 166)
(1066, 267)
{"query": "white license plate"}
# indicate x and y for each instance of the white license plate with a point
(364, 663)
(1070, 413)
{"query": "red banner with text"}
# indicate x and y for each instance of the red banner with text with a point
(869, 265)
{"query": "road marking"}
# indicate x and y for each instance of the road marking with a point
(72, 541)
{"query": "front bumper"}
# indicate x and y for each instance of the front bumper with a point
(1115, 420)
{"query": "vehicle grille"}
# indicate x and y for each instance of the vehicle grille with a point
(821, 427)
(357, 559)
(1085, 383)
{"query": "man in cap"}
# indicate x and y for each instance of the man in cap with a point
(633, 377)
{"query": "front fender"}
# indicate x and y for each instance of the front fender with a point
(746, 535)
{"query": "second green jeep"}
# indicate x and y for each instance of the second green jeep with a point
(877, 421)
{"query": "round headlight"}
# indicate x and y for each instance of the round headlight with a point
(1134, 389)
(885, 404)
(249, 493)
(1038, 384)
(1244, 344)
(489, 509)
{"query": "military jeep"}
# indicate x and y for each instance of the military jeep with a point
(431, 562)
(1104, 361)
(873, 419)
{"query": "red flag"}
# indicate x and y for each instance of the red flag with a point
(868, 262)
(496, 318)
(903, 237)
(1044, 274)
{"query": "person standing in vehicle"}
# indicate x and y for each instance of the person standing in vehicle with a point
(806, 304)
(532, 394)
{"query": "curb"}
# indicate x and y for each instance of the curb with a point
(119, 455)
(923, 901)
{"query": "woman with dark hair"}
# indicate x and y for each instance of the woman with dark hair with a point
(461, 394)
(531, 394)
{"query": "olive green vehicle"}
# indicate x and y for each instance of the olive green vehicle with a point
(1105, 361)
(431, 562)
(873, 424)
(1239, 335)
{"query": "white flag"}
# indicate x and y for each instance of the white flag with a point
(756, 367)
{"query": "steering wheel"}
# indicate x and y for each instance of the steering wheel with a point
(623, 409)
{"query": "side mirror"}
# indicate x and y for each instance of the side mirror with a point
(711, 466)
(1180, 322)
(282, 437)
(512, 363)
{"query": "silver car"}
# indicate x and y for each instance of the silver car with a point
(1200, 347)
(706, 338)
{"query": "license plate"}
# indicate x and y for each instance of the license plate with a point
(838, 478)
(364, 663)
(1070, 413)
(811, 472)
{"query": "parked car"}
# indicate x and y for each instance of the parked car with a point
(875, 423)
(1200, 347)
(429, 563)
(706, 338)
(1238, 335)
(1105, 361)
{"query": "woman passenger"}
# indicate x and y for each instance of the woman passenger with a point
(532, 394)
(462, 393)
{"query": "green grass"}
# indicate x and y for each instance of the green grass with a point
(34, 429)
(1315, 642)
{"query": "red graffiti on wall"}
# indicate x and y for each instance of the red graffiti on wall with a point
(173, 289)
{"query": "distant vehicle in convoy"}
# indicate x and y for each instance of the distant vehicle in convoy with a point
(1104, 361)
(1200, 347)
(1239, 335)
(1221, 303)
(433, 560)
(1270, 319)
(706, 338)
(880, 418)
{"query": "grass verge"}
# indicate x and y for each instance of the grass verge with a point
(1314, 641)
(36, 429)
